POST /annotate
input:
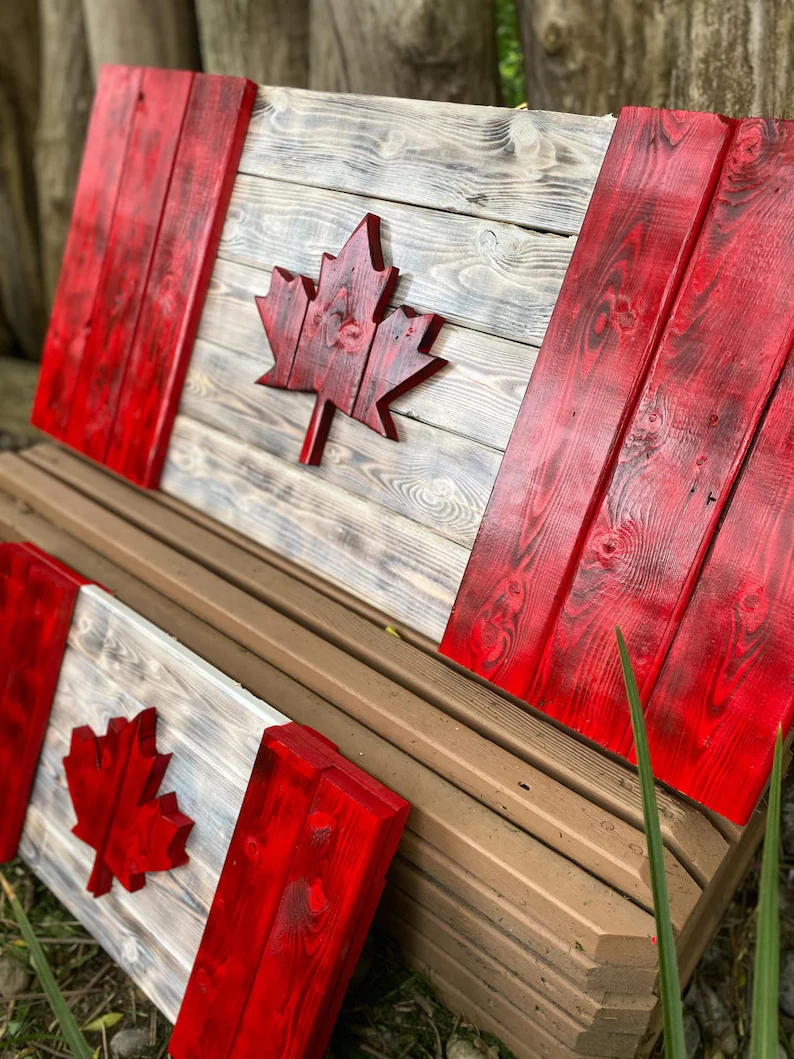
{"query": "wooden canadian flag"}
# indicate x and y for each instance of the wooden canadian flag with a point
(647, 482)
(286, 840)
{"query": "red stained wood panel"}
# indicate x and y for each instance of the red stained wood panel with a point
(297, 894)
(647, 208)
(331, 875)
(276, 804)
(94, 206)
(204, 170)
(722, 352)
(728, 682)
(37, 598)
(150, 157)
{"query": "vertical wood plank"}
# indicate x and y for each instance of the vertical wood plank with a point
(198, 197)
(728, 681)
(273, 813)
(144, 186)
(645, 214)
(721, 355)
(341, 845)
(38, 602)
(86, 245)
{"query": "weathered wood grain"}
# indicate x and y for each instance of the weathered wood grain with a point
(411, 892)
(489, 275)
(37, 598)
(437, 479)
(94, 207)
(695, 419)
(61, 861)
(647, 208)
(727, 682)
(149, 161)
(531, 168)
(477, 395)
(206, 159)
(389, 560)
(208, 706)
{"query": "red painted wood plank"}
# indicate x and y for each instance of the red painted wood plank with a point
(275, 808)
(113, 782)
(297, 894)
(645, 214)
(721, 355)
(728, 680)
(86, 244)
(38, 602)
(198, 197)
(331, 876)
(144, 186)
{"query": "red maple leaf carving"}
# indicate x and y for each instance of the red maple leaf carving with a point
(335, 342)
(113, 780)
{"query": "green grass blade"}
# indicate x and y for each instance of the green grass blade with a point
(669, 982)
(764, 1028)
(60, 1008)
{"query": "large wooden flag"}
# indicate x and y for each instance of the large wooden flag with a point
(314, 243)
(262, 820)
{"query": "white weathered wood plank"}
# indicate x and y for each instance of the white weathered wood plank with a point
(477, 395)
(160, 672)
(61, 864)
(439, 480)
(533, 168)
(386, 559)
(489, 275)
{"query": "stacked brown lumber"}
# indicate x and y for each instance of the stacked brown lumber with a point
(522, 884)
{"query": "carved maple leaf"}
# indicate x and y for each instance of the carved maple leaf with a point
(334, 341)
(113, 780)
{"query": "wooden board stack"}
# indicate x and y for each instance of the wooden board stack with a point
(521, 885)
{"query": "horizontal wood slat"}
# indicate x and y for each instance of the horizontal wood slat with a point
(438, 480)
(529, 167)
(422, 903)
(387, 559)
(477, 395)
(601, 779)
(489, 275)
